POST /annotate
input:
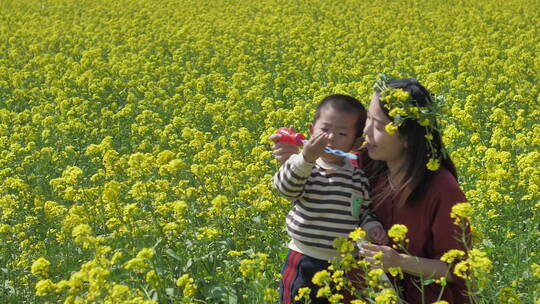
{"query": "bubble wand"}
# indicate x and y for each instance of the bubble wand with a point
(298, 139)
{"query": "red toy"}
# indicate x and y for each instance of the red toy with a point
(291, 137)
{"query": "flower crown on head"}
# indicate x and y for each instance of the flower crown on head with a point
(401, 108)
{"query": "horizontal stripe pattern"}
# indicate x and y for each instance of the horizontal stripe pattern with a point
(322, 202)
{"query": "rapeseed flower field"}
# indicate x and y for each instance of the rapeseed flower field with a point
(135, 165)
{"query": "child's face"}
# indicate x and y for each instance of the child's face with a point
(340, 126)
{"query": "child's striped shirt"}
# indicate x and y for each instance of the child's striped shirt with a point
(329, 201)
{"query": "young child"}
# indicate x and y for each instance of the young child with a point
(330, 196)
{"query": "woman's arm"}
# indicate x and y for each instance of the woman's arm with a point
(282, 151)
(420, 267)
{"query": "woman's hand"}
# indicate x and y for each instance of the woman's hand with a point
(282, 151)
(417, 266)
(390, 257)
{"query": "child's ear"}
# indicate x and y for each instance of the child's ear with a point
(310, 127)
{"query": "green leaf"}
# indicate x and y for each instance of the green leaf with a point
(173, 255)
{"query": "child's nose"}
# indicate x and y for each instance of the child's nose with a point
(331, 136)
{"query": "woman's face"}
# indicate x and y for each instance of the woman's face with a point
(380, 144)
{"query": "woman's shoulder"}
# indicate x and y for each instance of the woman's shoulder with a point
(443, 178)
(444, 186)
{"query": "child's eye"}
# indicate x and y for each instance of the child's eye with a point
(343, 134)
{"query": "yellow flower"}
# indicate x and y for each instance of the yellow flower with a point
(476, 265)
(190, 290)
(45, 288)
(270, 295)
(152, 278)
(119, 291)
(391, 128)
(461, 210)
(461, 269)
(184, 280)
(536, 269)
(321, 278)
(40, 267)
(395, 272)
(402, 94)
(343, 245)
(303, 294)
(376, 272)
(324, 292)
(433, 164)
(424, 122)
(146, 253)
(335, 298)
(386, 296)
(398, 232)
(235, 253)
(452, 254)
(357, 235)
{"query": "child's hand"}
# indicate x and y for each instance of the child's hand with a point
(377, 235)
(315, 147)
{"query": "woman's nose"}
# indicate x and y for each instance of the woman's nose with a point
(367, 126)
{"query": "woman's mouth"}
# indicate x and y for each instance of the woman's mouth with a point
(370, 146)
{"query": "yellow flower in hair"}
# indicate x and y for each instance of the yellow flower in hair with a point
(402, 95)
(391, 128)
(433, 164)
(397, 111)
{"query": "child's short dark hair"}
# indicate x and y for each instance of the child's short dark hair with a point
(345, 104)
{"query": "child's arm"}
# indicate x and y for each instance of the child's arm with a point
(293, 174)
(370, 224)
(291, 177)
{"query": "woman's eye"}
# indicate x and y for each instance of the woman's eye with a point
(324, 130)
(343, 134)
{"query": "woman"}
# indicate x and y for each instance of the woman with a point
(414, 183)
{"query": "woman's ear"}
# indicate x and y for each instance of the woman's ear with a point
(310, 127)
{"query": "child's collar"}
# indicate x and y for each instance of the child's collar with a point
(330, 166)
